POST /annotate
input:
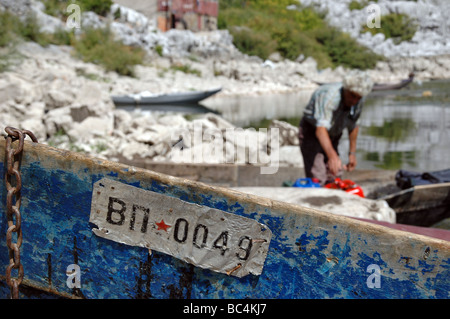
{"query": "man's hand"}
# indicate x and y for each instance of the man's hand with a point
(351, 162)
(353, 135)
(334, 164)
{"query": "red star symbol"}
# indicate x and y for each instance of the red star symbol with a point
(162, 225)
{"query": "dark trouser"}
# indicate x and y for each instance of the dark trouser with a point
(314, 157)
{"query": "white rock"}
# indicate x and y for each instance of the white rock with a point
(173, 120)
(135, 149)
(8, 90)
(245, 146)
(431, 17)
(9, 120)
(290, 155)
(122, 121)
(36, 110)
(287, 132)
(56, 99)
(57, 120)
(91, 127)
(218, 121)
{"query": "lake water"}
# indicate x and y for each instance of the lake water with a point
(400, 129)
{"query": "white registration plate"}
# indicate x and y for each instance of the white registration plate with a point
(200, 235)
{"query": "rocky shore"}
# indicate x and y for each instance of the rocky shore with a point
(67, 103)
(430, 16)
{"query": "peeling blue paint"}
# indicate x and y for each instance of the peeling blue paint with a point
(305, 259)
(112, 174)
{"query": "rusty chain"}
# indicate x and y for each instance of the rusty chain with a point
(13, 216)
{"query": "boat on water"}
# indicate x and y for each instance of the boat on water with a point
(93, 228)
(148, 98)
(188, 108)
(421, 205)
(393, 86)
(418, 198)
(388, 86)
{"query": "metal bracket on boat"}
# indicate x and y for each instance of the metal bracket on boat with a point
(13, 159)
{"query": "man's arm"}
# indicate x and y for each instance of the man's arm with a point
(352, 136)
(334, 162)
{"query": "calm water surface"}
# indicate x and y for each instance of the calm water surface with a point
(400, 129)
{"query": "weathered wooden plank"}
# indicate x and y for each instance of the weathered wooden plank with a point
(312, 254)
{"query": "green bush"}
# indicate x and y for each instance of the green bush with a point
(101, 7)
(345, 51)
(399, 27)
(9, 28)
(261, 27)
(13, 30)
(62, 37)
(249, 41)
(30, 31)
(58, 8)
(94, 45)
(357, 5)
(99, 46)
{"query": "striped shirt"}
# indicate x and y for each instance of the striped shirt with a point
(325, 109)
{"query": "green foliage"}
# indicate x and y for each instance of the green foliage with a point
(12, 31)
(8, 57)
(159, 50)
(101, 7)
(261, 27)
(94, 45)
(57, 8)
(30, 30)
(399, 27)
(343, 50)
(62, 37)
(117, 14)
(9, 28)
(249, 41)
(358, 5)
(185, 68)
(99, 46)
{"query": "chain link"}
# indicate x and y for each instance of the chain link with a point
(13, 216)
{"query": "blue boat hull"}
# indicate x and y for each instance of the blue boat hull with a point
(311, 254)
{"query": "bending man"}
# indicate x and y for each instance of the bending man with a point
(332, 108)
